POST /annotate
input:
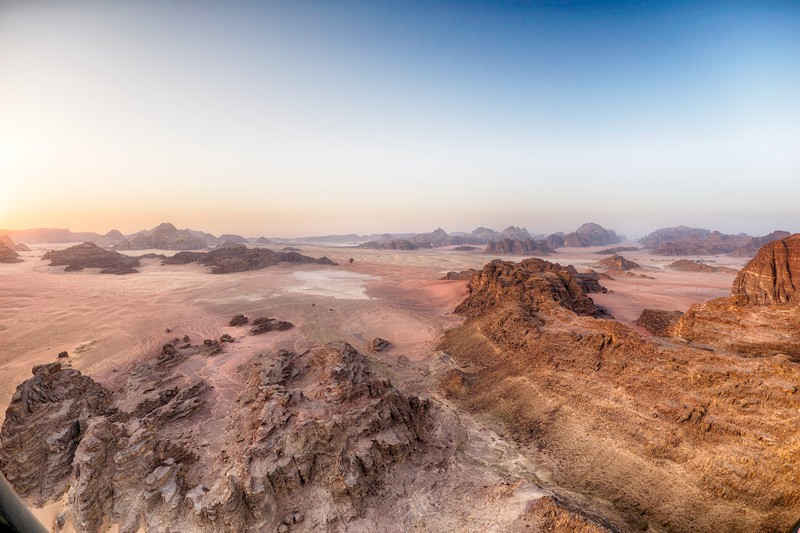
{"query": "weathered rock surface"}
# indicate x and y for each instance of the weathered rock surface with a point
(265, 325)
(462, 275)
(89, 255)
(687, 265)
(617, 262)
(617, 249)
(518, 247)
(658, 322)
(773, 275)
(163, 237)
(676, 436)
(309, 438)
(7, 255)
(378, 344)
(240, 258)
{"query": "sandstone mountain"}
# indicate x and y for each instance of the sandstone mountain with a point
(773, 275)
(518, 247)
(239, 258)
(49, 235)
(89, 255)
(163, 237)
(232, 238)
(675, 437)
(591, 234)
(681, 241)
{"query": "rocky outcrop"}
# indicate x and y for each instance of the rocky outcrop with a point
(265, 325)
(309, 437)
(163, 237)
(773, 275)
(378, 344)
(239, 258)
(464, 249)
(674, 234)
(112, 238)
(518, 247)
(591, 234)
(658, 322)
(7, 255)
(49, 235)
(617, 262)
(89, 255)
(617, 249)
(532, 284)
(675, 436)
(394, 244)
(238, 320)
(687, 265)
(232, 237)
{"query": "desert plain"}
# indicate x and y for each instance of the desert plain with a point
(108, 325)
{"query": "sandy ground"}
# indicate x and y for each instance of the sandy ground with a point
(109, 323)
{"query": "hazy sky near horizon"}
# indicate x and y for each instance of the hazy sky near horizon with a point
(297, 118)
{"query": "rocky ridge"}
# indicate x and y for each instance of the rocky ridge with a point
(89, 255)
(617, 262)
(690, 436)
(239, 258)
(518, 247)
(163, 237)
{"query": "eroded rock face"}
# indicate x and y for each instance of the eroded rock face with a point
(239, 258)
(773, 275)
(89, 255)
(309, 436)
(677, 436)
(658, 322)
(681, 240)
(591, 234)
(531, 283)
(393, 244)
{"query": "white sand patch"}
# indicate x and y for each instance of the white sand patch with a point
(332, 283)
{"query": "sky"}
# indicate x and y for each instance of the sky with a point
(309, 118)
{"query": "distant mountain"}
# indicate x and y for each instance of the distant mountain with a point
(49, 235)
(233, 238)
(682, 241)
(518, 247)
(591, 234)
(163, 237)
(9, 243)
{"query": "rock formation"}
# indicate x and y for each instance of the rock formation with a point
(89, 255)
(687, 265)
(240, 258)
(8, 242)
(617, 262)
(617, 249)
(591, 234)
(163, 237)
(464, 249)
(682, 241)
(307, 440)
(395, 244)
(265, 325)
(518, 247)
(658, 322)
(675, 436)
(773, 275)
(238, 239)
(7, 255)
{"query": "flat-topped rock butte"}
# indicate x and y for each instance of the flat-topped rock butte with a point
(474, 350)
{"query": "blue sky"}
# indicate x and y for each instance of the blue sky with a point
(335, 117)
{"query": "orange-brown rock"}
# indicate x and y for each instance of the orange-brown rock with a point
(773, 275)
(673, 437)
(658, 322)
(617, 262)
(687, 265)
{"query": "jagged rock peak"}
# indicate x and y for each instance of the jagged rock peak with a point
(773, 275)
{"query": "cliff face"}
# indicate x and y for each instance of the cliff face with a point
(308, 437)
(239, 258)
(773, 275)
(676, 437)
